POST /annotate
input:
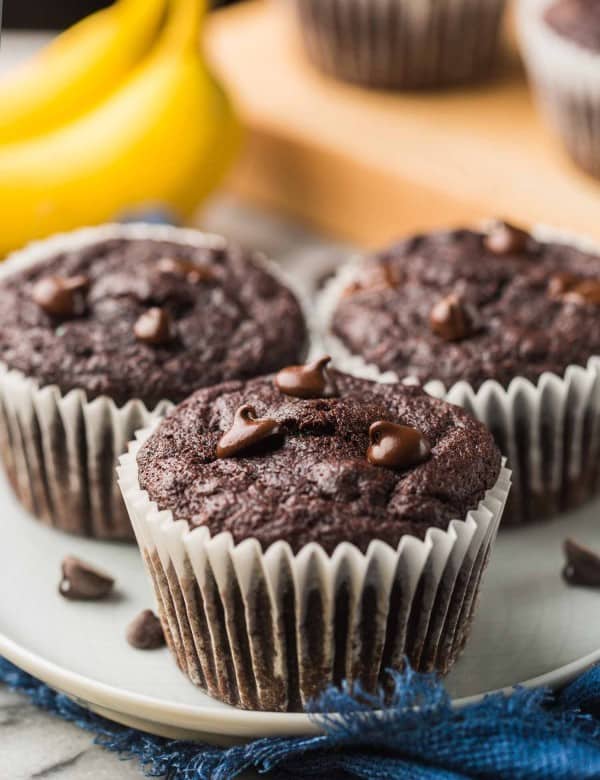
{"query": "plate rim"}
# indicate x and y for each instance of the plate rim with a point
(227, 722)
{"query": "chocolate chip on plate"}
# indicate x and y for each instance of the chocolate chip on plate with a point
(246, 431)
(61, 296)
(308, 381)
(582, 565)
(505, 239)
(154, 327)
(145, 631)
(83, 582)
(193, 272)
(396, 446)
(452, 319)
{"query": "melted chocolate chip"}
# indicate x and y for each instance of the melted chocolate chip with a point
(560, 284)
(506, 239)
(452, 319)
(83, 582)
(245, 431)
(379, 276)
(396, 446)
(587, 291)
(582, 566)
(61, 296)
(193, 272)
(145, 632)
(154, 327)
(309, 381)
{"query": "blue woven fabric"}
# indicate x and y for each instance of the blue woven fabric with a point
(529, 735)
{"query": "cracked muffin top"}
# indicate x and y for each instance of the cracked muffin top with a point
(350, 461)
(464, 305)
(132, 318)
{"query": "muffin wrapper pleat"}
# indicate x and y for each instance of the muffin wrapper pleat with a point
(59, 453)
(566, 80)
(549, 431)
(269, 630)
(403, 44)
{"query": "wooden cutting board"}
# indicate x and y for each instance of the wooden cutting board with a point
(369, 166)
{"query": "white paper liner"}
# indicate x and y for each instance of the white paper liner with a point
(549, 430)
(270, 629)
(402, 44)
(566, 78)
(60, 450)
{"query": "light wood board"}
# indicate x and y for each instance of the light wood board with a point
(369, 166)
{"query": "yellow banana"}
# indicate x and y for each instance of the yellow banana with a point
(164, 138)
(78, 69)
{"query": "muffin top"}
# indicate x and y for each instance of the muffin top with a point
(364, 461)
(131, 318)
(462, 305)
(576, 20)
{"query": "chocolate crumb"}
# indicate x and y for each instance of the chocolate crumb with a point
(83, 582)
(582, 566)
(145, 631)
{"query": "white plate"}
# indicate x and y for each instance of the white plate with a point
(530, 628)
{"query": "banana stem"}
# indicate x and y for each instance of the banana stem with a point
(184, 23)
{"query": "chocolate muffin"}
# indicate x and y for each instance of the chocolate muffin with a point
(402, 44)
(481, 312)
(560, 40)
(331, 527)
(104, 328)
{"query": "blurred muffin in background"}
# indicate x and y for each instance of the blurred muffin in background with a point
(402, 44)
(560, 40)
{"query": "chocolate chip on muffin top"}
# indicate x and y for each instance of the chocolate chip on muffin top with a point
(373, 461)
(576, 20)
(147, 319)
(463, 305)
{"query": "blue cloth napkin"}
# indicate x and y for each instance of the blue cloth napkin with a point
(529, 735)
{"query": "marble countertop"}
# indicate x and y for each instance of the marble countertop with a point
(36, 745)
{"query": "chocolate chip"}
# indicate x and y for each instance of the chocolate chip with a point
(61, 296)
(396, 446)
(587, 291)
(154, 327)
(309, 381)
(193, 272)
(582, 566)
(378, 276)
(561, 283)
(145, 632)
(245, 431)
(83, 582)
(452, 318)
(506, 239)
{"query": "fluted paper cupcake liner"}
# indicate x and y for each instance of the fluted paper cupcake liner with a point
(404, 44)
(549, 430)
(566, 79)
(270, 629)
(60, 450)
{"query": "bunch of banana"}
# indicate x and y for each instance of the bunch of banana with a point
(120, 113)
